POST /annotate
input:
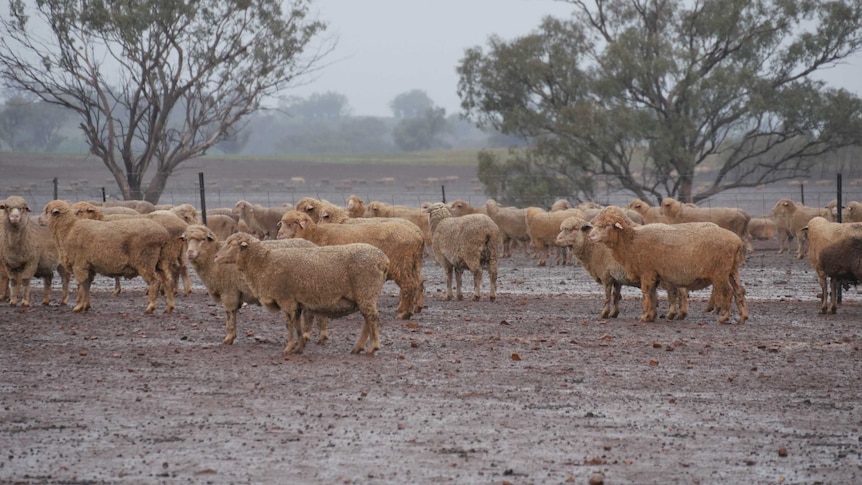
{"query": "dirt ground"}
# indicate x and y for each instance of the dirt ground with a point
(531, 389)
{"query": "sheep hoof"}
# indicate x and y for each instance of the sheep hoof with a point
(614, 314)
(670, 315)
(447, 298)
(77, 308)
(604, 314)
(229, 339)
(459, 297)
(493, 297)
(15, 303)
(476, 298)
(681, 316)
(26, 304)
(404, 315)
(150, 309)
(324, 336)
(169, 309)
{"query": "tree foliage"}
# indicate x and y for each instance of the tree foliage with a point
(411, 104)
(29, 124)
(155, 83)
(421, 132)
(646, 94)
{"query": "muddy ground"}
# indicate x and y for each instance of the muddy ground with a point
(533, 388)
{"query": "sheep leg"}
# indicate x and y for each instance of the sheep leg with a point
(616, 296)
(25, 289)
(458, 275)
(117, 286)
(83, 298)
(721, 290)
(406, 297)
(492, 279)
(833, 297)
(64, 282)
(606, 309)
(420, 294)
(47, 281)
(477, 282)
(650, 295)
(15, 281)
(370, 330)
(231, 326)
(322, 330)
(542, 251)
(164, 278)
(187, 281)
(449, 271)
(4, 285)
(739, 297)
(293, 344)
(306, 320)
(823, 291)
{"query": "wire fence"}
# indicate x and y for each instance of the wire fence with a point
(754, 201)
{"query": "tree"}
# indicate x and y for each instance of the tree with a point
(411, 104)
(421, 132)
(328, 106)
(28, 124)
(156, 83)
(645, 94)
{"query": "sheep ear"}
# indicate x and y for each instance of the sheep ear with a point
(586, 227)
(243, 244)
(27, 208)
(210, 236)
(55, 211)
(618, 225)
(301, 223)
(182, 237)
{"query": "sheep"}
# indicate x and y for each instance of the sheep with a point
(790, 218)
(560, 205)
(822, 234)
(175, 251)
(262, 221)
(543, 228)
(224, 282)
(462, 208)
(762, 228)
(222, 225)
(730, 218)
(842, 263)
(852, 212)
(187, 213)
(355, 206)
(333, 281)
(413, 214)
(690, 256)
(601, 265)
(512, 223)
(315, 208)
(128, 248)
(142, 206)
(403, 246)
(650, 214)
(466, 242)
(26, 251)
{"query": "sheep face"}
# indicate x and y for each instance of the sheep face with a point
(308, 205)
(460, 207)
(783, 207)
(638, 205)
(85, 210)
(229, 253)
(16, 209)
(293, 224)
(196, 241)
(607, 224)
(573, 232)
(353, 201)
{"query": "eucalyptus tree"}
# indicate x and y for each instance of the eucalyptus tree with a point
(645, 94)
(154, 83)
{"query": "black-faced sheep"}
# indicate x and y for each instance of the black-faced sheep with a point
(225, 283)
(333, 281)
(691, 256)
(467, 242)
(127, 248)
(27, 250)
(403, 246)
(821, 235)
(599, 262)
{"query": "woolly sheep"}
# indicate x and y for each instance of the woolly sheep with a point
(790, 218)
(599, 262)
(730, 218)
(512, 222)
(355, 206)
(561, 205)
(333, 281)
(543, 228)
(822, 234)
(462, 208)
(402, 245)
(314, 208)
(142, 206)
(467, 242)
(852, 212)
(690, 256)
(224, 282)
(413, 214)
(175, 251)
(27, 251)
(762, 228)
(128, 248)
(650, 214)
(261, 221)
(842, 264)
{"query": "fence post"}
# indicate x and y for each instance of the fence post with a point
(203, 198)
(443, 190)
(839, 207)
(104, 197)
(56, 193)
(802, 191)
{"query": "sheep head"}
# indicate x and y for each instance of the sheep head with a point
(670, 207)
(784, 207)
(197, 237)
(86, 210)
(233, 246)
(16, 209)
(573, 232)
(609, 225)
(294, 224)
(460, 207)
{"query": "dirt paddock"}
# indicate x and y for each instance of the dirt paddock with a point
(534, 388)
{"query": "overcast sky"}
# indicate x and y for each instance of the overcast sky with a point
(387, 47)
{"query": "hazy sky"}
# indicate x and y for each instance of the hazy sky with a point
(387, 47)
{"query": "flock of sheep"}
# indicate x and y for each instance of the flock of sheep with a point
(317, 260)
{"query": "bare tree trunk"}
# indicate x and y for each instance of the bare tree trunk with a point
(157, 186)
